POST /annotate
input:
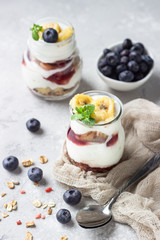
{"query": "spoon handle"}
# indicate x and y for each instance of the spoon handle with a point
(147, 168)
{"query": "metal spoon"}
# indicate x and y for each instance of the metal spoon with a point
(95, 215)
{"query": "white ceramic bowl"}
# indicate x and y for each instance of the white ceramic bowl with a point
(124, 86)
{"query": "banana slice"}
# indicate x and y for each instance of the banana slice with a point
(65, 33)
(80, 100)
(53, 25)
(104, 109)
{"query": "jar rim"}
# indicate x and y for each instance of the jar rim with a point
(99, 92)
(58, 20)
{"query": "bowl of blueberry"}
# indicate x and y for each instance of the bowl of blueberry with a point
(125, 66)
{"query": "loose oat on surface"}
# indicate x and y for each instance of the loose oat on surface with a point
(51, 204)
(43, 159)
(14, 202)
(10, 185)
(3, 194)
(4, 215)
(37, 203)
(5, 205)
(64, 238)
(27, 162)
(9, 207)
(30, 224)
(44, 205)
(28, 236)
(15, 182)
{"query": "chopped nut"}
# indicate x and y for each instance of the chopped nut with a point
(28, 236)
(30, 224)
(5, 205)
(27, 162)
(64, 238)
(51, 204)
(49, 211)
(15, 207)
(44, 205)
(43, 159)
(3, 194)
(37, 203)
(9, 207)
(14, 202)
(15, 182)
(4, 215)
(10, 185)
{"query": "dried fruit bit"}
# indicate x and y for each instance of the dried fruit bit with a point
(43, 217)
(64, 238)
(19, 222)
(43, 159)
(49, 211)
(15, 182)
(38, 216)
(30, 224)
(37, 203)
(48, 189)
(10, 185)
(44, 205)
(14, 203)
(51, 204)
(4, 215)
(27, 162)
(9, 207)
(28, 236)
(3, 194)
(5, 205)
(22, 191)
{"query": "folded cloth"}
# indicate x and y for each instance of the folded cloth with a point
(139, 207)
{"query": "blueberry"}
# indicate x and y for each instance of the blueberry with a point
(112, 59)
(127, 43)
(114, 76)
(118, 49)
(143, 67)
(124, 60)
(50, 35)
(138, 76)
(107, 70)
(125, 52)
(63, 216)
(126, 76)
(136, 56)
(33, 125)
(101, 63)
(105, 51)
(10, 163)
(148, 60)
(72, 196)
(35, 174)
(138, 47)
(121, 68)
(133, 66)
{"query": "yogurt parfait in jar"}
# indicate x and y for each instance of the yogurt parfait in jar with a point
(51, 64)
(95, 138)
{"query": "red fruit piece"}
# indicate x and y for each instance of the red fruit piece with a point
(113, 140)
(48, 189)
(43, 217)
(19, 222)
(22, 192)
(38, 216)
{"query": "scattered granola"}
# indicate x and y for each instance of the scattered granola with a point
(28, 236)
(48, 189)
(30, 224)
(49, 211)
(27, 162)
(37, 203)
(4, 215)
(5, 205)
(9, 207)
(14, 203)
(22, 191)
(14, 207)
(38, 216)
(10, 185)
(3, 194)
(43, 159)
(36, 183)
(64, 238)
(19, 222)
(51, 204)
(15, 182)
(44, 205)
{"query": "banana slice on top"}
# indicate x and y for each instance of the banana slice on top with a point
(80, 100)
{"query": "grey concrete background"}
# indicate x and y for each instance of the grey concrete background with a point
(97, 24)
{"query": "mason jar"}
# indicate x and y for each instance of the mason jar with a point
(52, 70)
(100, 147)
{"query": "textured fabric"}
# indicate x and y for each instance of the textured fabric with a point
(139, 207)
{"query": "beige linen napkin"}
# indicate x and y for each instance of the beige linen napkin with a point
(140, 206)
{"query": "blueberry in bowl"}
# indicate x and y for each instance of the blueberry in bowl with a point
(125, 66)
